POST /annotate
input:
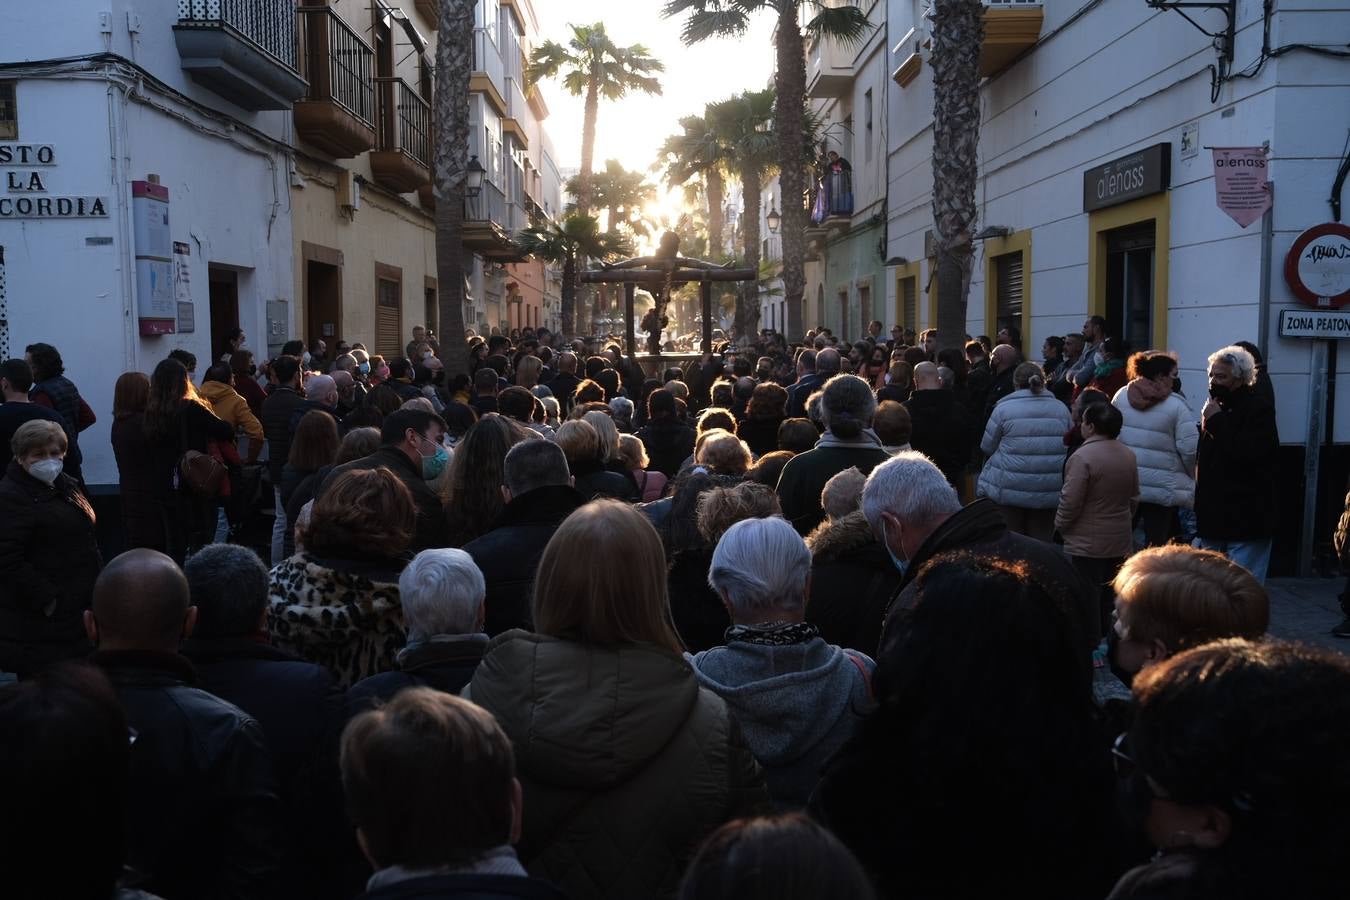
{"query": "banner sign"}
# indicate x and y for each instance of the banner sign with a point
(1327, 325)
(1240, 184)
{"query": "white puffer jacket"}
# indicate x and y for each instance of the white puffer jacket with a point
(1164, 437)
(1024, 441)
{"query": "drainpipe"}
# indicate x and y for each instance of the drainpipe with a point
(125, 229)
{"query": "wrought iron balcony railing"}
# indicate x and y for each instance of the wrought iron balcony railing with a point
(268, 24)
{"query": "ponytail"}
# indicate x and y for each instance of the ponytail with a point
(1036, 383)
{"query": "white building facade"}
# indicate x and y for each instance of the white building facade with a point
(1096, 191)
(96, 104)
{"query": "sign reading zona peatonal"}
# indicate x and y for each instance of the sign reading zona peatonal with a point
(1317, 266)
(1331, 325)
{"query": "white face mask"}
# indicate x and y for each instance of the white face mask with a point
(46, 470)
(306, 358)
(1099, 358)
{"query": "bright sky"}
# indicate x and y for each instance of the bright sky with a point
(630, 130)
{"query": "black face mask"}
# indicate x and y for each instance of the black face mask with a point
(1220, 393)
(1134, 799)
(253, 370)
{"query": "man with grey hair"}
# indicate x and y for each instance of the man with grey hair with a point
(321, 393)
(537, 488)
(915, 513)
(1235, 494)
(847, 406)
(442, 593)
(796, 698)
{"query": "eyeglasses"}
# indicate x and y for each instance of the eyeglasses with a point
(1125, 765)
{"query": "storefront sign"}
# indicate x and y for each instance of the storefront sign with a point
(1240, 184)
(24, 170)
(1317, 267)
(155, 304)
(1138, 175)
(1329, 325)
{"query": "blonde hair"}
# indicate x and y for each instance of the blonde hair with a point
(722, 507)
(607, 432)
(578, 440)
(38, 434)
(634, 452)
(1185, 597)
(605, 604)
(723, 452)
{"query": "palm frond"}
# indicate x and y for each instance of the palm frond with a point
(846, 24)
(711, 23)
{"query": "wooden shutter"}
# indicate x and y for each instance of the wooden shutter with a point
(1008, 271)
(388, 318)
(909, 302)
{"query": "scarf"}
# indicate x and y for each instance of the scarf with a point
(1108, 367)
(865, 441)
(772, 634)
(1143, 393)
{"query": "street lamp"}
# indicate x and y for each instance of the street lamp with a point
(773, 219)
(473, 181)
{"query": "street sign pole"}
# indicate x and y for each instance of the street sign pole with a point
(1317, 400)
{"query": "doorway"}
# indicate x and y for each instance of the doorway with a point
(323, 302)
(1130, 263)
(223, 287)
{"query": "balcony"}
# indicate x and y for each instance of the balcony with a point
(1011, 27)
(832, 207)
(430, 10)
(489, 72)
(488, 221)
(402, 160)
(243, 50)
(829, 69)
(337, 116)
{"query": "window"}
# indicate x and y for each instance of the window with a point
(867, 124)
(1008, 290)
(388, 311)
(1129, 283)
(909, 302)
(9, 111)
(864, 307)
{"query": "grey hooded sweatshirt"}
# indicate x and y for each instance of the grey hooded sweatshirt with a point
(796, 704)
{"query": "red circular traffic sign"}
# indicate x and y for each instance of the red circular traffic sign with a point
(1317, 267)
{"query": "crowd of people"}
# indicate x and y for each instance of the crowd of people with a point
(842, 619)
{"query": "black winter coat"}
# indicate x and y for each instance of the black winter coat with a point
(445, 663)
(49, 560)
(1235, 495)
(852, 583)
(277, 409)
(508, 555)
(668, 445)
(595, 480)
(432, 528)
(202, 811)
(981, 529)
(760, 434)
(144, 488)
(943, 431)
(701, 619)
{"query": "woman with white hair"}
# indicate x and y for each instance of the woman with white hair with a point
(442, 593)
(797, 698)
(847, 406)
(1024, 444)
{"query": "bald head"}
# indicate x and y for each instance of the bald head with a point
(1004, 357)
(927, 377)
(140, 603)
(567, 362)
(827, 363)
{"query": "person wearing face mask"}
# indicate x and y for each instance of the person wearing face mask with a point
(412, 447)
(1235, 495)
(915, 514)
(1235, 769)
(49, 557)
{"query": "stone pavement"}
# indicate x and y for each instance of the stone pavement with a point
(1306, 609)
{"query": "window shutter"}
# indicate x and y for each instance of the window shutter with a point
(1008, 270)
(389, 319)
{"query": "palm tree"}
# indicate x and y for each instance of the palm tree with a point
(698, 155)
(712, 18)
(958, 31)
(743, 123)
(622, 193)
(593, 65)
(567, 242)
(454, 60)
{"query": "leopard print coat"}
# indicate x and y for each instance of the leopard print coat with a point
(343, 620)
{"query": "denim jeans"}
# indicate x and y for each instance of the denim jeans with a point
(1254, 556)
(278, 530)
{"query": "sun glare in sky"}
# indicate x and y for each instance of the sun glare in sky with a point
(631, 129)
